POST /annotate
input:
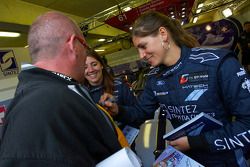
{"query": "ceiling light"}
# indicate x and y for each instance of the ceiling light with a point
(183, 9)
(227, 12)
(101, 39)
(127, 9)
(198, 10)
(200, 5)
(195, 19)
(9, 34)
(208, 28)
(99, 50)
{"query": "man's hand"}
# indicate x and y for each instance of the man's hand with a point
(109, 104)
(180, 144)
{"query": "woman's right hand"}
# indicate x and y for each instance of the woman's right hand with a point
(109, 104)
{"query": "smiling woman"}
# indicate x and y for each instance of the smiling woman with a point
(98, 80)
(93, 71)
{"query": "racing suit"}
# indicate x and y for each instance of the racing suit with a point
(52, 122)
(203, 80)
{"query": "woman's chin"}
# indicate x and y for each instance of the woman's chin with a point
(154, 64)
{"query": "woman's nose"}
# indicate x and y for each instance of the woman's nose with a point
(142, 54)
(88, 69)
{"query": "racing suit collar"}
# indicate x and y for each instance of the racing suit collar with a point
(166, 71)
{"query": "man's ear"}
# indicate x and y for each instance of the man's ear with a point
(71, 48)
(71, 43)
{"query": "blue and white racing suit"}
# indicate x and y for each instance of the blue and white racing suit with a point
(203, 80)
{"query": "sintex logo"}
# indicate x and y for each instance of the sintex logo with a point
(8, 62)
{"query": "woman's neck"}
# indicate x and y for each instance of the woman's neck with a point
(172, 55)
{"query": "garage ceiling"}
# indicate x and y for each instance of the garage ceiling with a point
(17, 15)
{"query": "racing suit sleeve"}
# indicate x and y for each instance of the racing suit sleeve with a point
(127, 96)
(234, 86)
(144, 107)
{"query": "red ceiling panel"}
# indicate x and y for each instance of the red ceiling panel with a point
(179, 9)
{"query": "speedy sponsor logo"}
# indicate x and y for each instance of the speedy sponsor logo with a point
(203, 57)
(2, 113)
(193, 77)
(8, 62)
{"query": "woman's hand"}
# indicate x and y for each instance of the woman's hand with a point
(108, 103)
(180, 144)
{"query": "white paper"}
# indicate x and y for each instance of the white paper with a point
(123, 158)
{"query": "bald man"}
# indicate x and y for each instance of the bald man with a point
(51, 121)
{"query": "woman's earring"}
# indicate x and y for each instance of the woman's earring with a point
(164, 46)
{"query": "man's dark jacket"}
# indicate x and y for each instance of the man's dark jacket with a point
(51, 122)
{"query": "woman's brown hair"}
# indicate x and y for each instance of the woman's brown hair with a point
(150, 22)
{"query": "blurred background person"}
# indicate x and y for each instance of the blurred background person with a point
(244, 45)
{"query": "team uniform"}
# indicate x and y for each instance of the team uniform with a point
(203, 80)
(62, 128)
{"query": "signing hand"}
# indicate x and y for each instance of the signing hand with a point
(180, 144)
(108, 104)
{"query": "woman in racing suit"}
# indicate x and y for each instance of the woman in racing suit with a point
(187, 81)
